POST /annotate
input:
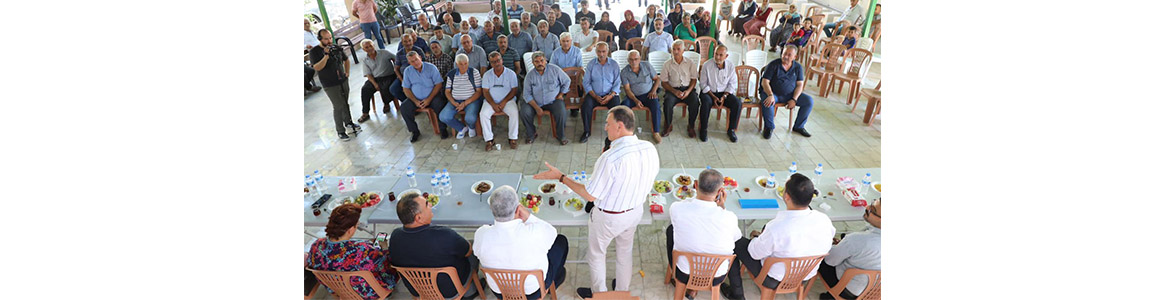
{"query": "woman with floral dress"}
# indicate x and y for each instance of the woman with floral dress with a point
(338, 252)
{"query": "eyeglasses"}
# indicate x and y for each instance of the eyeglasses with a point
(872, 210)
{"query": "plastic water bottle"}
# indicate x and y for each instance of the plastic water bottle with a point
(791, 170)
(435, 184)
(819, 171)
(771, 180)
(446, 185)
(410, 176)
(320, 178)
(865, 182)
(309, 179)
(583, 177)
(576, 176)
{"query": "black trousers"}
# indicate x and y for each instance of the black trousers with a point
(829, 274)
(731, 102)
(589, 104)
(754, 266)
(408, 114)
(309, 72)
(368, 92)
(692, 101)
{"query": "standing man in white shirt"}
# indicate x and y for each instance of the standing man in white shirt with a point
(704, 226)
(796, 231)
(622, 178)
(499, 91)
(859, 250)
(519, 240)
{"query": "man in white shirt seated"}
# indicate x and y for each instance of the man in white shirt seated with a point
(859, 250)
(796, 231)
(704, 226)
(519, 240)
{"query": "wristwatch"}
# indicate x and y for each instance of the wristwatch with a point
(562, 180)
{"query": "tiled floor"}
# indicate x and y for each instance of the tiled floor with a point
(840, 140)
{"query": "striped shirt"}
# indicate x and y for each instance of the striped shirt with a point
(460, 87)
(624, 174)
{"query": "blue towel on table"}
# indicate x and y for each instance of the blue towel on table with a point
(758, 203)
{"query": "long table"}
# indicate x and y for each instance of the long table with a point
(462, 208)
(840, 209)
(380, 184)
(556, 214)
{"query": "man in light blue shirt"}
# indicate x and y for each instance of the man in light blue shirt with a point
(476, 57)
(519, 39)
(641, 84)
(858, 250)
(500, 87)
(475, 30)
(544, 88)
(544, 41)
(602, 82)
(568, 56)
(658, 40)
(421, 85)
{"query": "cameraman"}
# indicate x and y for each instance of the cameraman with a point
(334, 77)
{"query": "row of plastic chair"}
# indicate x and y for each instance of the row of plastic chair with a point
(703, 268)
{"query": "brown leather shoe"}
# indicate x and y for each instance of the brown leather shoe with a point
(667, 131)
(691, 132)
(657, 138)
(365, 117)
(512, 143)
(489, 146)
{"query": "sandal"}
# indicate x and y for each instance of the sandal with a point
(489, 146)
(512, 143)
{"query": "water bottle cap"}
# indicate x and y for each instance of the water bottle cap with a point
(444, 170)
(794, 162)
(316, 171)
(307, 176)
(408, 167)
(772, 174)
(866, 174)
(818, 165)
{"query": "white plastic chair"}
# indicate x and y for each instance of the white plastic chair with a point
(864, 43)
(528, 61)
(658, 59)
(757, 59)
(575, 30)
(694, 57)
(621, 57)
(587, 57)
(734, 58)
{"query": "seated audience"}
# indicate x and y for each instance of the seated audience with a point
(440, 59)
(568, 55)
(544, 40)
(782, 83)
(601, 85)
(338, 251)
(449, 9)
(676, 15)
(544, 89)
(587, 38)
(747, 11)
(641, 84)
(487, 40)
(718, 82)
(851, 34)
(463, 95)
(630, 29)
(476, 56)
(421, 84)
(500, 88)
(702, 22)
(658, 40)
(556, 27)
(755, 26)
(679, 76)
(511, 57)
(444, 40)
(519, 240)
(515, 10)
(686, 29)
(378, 67)
(607, 25)
(585, 13)
(520, 40)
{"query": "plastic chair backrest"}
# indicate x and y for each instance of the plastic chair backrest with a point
(756, 58)
(753, 40)
(734, 58)
(694, 57)
(425, 280)
(511, 282)
(706, 47)
(864, 43)
(658, 59)
(873, 287)
(703, 267)
(635, 44)
(857, 62)
(795, 270)
(831, 55)
(813, 10)
(587, 57)
(687, 45)
(339, 282)
(575, 30)
(747, 81)
(604, 36)
(528, 61)
(576, 75)
(622, 57)
(818, 19)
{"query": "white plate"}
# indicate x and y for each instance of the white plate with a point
(489, 182)
(674, 179)
(757, 182)
(574, 211)
(693, 194)
(668, 184)
(874, 184)
(557, 187)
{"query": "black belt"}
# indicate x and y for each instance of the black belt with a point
(615, 212)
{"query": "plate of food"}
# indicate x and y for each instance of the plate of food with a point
(763, 182)
(364, 200)
(780, 192)
(683, 179)
(729, 183)
(532, 201)
(877, 186)
(483, 186)
(684, 192)
(575, 206)
(548, 188)
(662, 186)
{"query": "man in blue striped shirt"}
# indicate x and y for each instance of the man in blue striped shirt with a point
(602, 82)
(544, 88)
(544, 41)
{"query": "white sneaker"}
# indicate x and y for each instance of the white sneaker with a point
(470, 132)
(461, 133)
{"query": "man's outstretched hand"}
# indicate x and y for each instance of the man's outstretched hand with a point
(552, 174)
